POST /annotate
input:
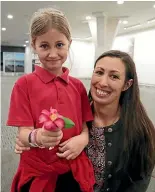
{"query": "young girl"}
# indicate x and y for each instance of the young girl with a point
(50, 86)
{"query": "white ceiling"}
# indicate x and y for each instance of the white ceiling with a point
(76, 11)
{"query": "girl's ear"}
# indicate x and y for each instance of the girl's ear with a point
(33, 46)
(128, 84)
(70, 42)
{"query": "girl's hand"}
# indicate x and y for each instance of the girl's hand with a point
(45, 138)
(49, 138)
(71, 148)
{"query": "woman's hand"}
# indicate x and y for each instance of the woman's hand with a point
(19, 146)
(71, 148)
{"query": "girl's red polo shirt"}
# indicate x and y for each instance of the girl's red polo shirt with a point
(40, 90)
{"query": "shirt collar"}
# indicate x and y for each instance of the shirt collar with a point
(47, 77)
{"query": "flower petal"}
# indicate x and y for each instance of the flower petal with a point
(60, 116)
(45, 112)
(43, 118)
(59, 123)
(53, 110)
(49, 125)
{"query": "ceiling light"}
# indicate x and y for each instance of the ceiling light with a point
(10, 16)
(151, 20)
(24, 45)
(132, 27)
(3, 29)
(88, 17)
(82, 39)
(125, 22)
(26, 41)
(120, 2)
(154, 5)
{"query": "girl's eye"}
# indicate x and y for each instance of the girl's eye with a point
(44, 46)
(59, 45)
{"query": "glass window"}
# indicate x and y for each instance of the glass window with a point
(9, 66)
(13, 62)
(19, 66)
(19, 56)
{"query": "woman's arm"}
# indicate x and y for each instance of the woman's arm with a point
(74, 145)
(71, 148)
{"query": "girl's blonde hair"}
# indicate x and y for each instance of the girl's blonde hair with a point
(47, 18)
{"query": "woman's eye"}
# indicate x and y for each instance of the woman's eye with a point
(60, 45)
(114, 76)
(99, 72)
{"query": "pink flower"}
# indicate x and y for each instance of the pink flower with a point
(51, 119)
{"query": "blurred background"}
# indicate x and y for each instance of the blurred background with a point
(96, 26)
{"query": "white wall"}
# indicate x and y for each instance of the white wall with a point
(144, 57)
(125, 44)
(81, 60)
(141, 46)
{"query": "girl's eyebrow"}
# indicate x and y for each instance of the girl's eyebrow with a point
(43, 42)
(59, 41)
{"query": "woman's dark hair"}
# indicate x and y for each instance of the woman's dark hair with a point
(139, 141)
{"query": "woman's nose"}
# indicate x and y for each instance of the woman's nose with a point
(103, 81)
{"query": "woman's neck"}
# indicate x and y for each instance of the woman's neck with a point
(106, 115)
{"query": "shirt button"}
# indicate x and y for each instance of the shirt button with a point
(109, 130)
(109, 144)
(109, 176)
(109, 163)
(108, 189)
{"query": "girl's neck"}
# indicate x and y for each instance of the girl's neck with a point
(106, 115)
(56, 71)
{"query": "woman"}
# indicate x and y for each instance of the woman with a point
(122, 137)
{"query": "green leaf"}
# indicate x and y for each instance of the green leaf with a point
(68, 122)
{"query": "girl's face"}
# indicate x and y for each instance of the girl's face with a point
(52, 49)
(108, 81)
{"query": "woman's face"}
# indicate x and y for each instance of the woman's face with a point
(108, 81)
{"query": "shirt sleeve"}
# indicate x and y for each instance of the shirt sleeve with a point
(20, 110)
(86, 109)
